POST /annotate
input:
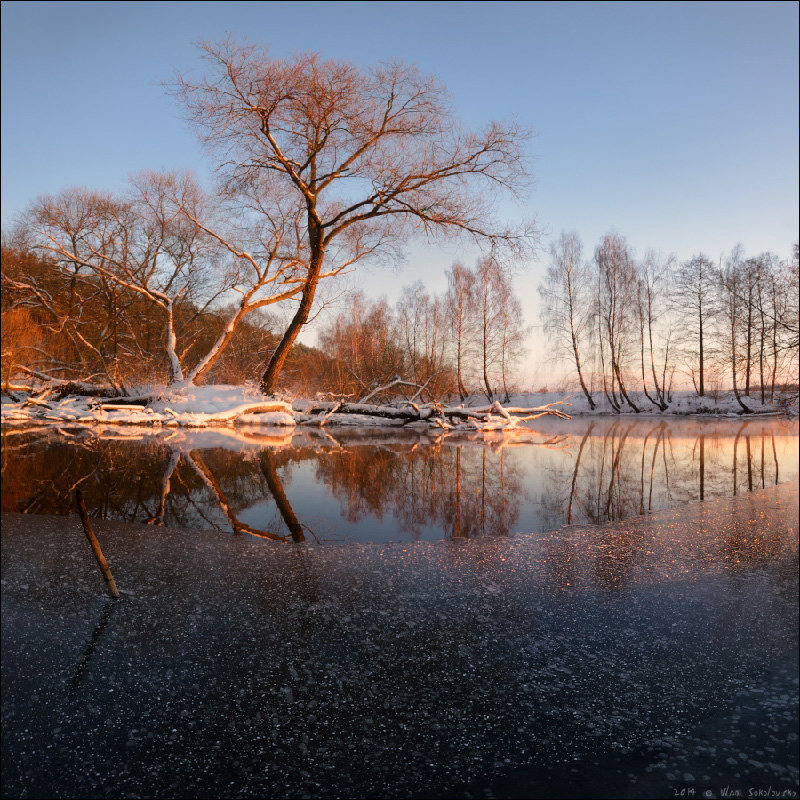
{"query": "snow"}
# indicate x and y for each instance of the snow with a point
(189, 406)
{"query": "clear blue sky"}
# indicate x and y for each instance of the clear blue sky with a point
(677, 124)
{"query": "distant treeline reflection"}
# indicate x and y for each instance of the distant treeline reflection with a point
(416, 486)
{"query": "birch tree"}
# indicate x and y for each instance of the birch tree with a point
(460, 310)
(421, 330)
(733, 285)
(653, 280)
(695, 292)
(511, 328)
(487, 317)
(567, 303)
(616, 298)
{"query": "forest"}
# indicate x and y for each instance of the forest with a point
(630, 330)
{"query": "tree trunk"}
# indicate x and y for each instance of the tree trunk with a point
(762, 344)
(214, 353)
(659, 388)
(611, 402)
(175, 371)
(774, 357)
(461, 390)
(269, 379)
(702, 354)
(623, 390)
(485, 354)
(749, 340)
(733, 371)
(592, 405)
(644, 374)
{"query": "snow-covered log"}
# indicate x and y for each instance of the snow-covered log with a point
(529, 412)
(493, 416)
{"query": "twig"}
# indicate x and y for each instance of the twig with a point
(395, 382)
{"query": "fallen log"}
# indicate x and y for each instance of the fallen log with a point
(436, 414)
(482, 412)
(367, 409)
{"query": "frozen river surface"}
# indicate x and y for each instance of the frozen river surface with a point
(640, 657)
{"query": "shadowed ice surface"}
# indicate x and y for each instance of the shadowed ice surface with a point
(634, 658)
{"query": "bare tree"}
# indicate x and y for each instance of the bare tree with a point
(568, 306)
(784, 291)
(51, 318)
(365, 156)
(732, 283)
(695, 292)
(360, 342)
(512, 333)
(488, 302)
(764, 292)
(616, 298)
(139, 243)
(460, 311)
(168, 244)
(653, 279)
(421, 330)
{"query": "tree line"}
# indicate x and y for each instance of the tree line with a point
(628, 323)
(64, 323)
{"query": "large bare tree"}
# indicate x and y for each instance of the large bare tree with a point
(366, 155)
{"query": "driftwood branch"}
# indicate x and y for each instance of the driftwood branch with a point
(98, 553)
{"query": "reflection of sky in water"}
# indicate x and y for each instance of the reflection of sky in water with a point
(398, 485)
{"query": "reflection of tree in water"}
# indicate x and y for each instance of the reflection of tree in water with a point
(610, 471)
(145, 481)
(633, 468)
(466, 489)
(119, 479)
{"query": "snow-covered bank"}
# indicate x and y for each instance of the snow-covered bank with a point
(233, 406)
(683, 402)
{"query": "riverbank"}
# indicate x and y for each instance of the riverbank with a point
(240, 406)
(238, 668)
